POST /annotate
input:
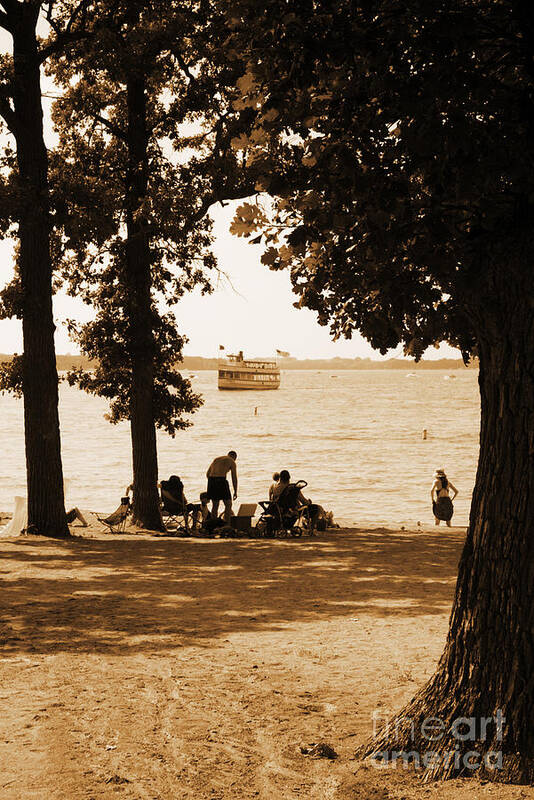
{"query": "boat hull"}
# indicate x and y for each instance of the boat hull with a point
(229, 384)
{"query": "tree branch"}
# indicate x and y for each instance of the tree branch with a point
(67, 36)
(114, 129)
(6, 111)
(5, 22)
(11, 6)
(183, 66)
(81, 10)
(62, 41)
(217, 195)
(49, 18)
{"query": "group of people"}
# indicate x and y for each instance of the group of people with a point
(281, 480)
(218, 491)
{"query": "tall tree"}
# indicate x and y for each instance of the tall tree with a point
(143, 124)
(398, 139)
(28, 192)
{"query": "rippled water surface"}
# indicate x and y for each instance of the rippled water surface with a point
(355, 436)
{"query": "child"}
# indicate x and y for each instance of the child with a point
(204, 510)
(276, 478)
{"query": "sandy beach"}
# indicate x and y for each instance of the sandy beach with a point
(143, 667)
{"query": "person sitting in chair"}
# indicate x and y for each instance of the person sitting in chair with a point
(173, 490)
(284, 481)
(290, 495)
(174, 500)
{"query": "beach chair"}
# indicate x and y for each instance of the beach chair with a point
(171, 511)
(116, 522)
(285, 516)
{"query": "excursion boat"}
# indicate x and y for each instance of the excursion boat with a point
(236, 372)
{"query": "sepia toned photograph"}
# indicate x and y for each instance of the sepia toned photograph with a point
(266, 400)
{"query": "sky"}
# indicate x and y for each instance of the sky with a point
(251, 311)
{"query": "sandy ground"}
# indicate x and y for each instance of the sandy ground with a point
(142, 667)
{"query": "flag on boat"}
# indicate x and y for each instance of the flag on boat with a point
(282, 353)
(221, 347)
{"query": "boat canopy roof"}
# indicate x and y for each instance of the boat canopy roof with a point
(255, 363)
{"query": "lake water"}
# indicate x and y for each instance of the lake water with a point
(355, 436)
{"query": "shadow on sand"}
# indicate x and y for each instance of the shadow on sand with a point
(137, 594)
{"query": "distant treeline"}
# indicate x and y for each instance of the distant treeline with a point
(62, 362)
(199, 363)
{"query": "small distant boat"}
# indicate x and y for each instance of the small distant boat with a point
(237, 372)
(411, 375)
(449, 377)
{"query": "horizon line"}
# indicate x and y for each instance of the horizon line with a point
(378, 359)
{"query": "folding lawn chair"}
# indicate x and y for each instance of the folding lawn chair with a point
(116, 522)
(171, 511)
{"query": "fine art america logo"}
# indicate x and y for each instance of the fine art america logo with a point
(433, 730)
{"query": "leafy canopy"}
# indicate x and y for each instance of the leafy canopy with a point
(64, 23)
(174, 53)
(396, 139)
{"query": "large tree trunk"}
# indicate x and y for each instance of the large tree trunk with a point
(487, 668)
(146, 508)
(46, 511)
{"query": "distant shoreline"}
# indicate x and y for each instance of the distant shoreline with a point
(198, 363)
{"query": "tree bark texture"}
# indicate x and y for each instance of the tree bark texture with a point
(487, 667)
(46, 511)
(146, 507)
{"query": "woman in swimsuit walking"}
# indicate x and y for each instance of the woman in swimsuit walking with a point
(442, 506)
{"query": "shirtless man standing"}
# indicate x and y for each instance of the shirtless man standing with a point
(218, 488)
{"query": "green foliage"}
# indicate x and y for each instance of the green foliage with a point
(11, 376)
(11, 300)
(397, 140)
(105, 340)
(98, 187)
